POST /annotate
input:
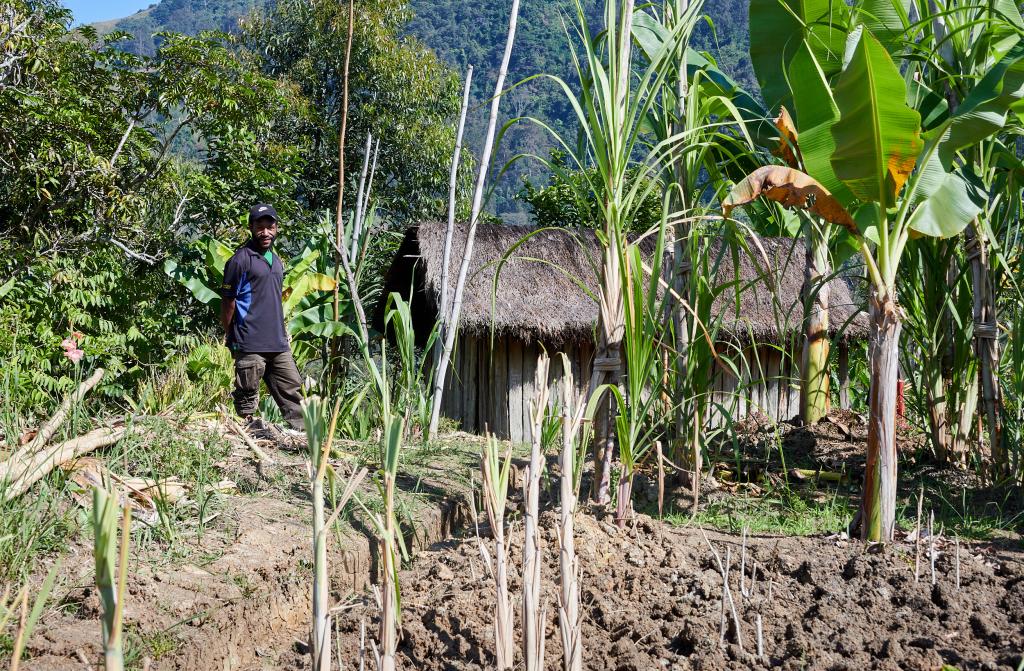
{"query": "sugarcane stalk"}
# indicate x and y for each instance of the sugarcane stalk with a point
(110, 583)
(533, 611)
(495, 474)
(569, 624)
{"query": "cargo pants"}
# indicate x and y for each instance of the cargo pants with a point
(279, 371)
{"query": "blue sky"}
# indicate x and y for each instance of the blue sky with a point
(87, 11)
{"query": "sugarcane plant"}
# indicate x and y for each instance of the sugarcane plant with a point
(534, 613)
(17, 606)
(320, 433)
(111, 571)
(613, 109)
(635, 423)
(495, 474)
(569, 624)
(876, 171)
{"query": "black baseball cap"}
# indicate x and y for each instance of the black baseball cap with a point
(261, 210)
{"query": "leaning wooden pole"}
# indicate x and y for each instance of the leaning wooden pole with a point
(452, 327)
(453, 182)
(47, 430)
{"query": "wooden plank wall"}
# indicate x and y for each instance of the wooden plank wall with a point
(492, 389)
(769, 383)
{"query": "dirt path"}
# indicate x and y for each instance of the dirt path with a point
(239, 598)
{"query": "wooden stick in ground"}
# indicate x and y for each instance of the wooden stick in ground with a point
(47, 430)
(724, 570)
(256, 449)
(569, 599)
(533, 612)
(22, 469)
(931, 542)
(743, 565)
(958, 562)
(760, 637)
(917, 540)
(451, 328)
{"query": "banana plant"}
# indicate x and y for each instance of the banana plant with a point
(875, 170)
(307, 309)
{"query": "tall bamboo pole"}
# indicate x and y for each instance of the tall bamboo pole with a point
(453, 180)
(452, 327)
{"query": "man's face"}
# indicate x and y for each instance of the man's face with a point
(263, 230)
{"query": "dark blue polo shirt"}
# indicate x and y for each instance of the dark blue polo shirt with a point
(256, 285)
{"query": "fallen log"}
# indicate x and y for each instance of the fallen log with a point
(47, 430)
(23, 469)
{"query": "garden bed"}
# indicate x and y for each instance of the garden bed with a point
(652, 599)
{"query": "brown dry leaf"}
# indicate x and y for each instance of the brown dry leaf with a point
(27, 437)
(788, 149)
(170, 490)
(790, 188)
(89, 472)
(86, 472)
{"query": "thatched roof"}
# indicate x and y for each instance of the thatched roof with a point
(539, 294)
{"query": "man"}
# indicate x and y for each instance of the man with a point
(252, 314)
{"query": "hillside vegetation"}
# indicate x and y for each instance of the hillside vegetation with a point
(464, 33)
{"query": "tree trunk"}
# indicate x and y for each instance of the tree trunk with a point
(935, 389)
(986, 345)
(878, 505)
(814, 399)
(844, 375)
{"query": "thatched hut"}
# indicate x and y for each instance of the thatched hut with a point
(537, 303)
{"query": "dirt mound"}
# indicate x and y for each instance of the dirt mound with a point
(652, 599)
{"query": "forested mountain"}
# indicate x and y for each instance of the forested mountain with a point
(468, 32)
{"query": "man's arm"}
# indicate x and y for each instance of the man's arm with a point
(227, 313)
(228, 292)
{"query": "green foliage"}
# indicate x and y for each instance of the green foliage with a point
(398, 91)
(565, 200)
(464, 32)
(127, 324)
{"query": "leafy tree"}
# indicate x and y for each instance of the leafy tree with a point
(398, 91)
(92, 193)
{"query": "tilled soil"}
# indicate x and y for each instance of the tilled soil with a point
(652, 599)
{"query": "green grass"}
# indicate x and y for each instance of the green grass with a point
(983, 516)
(781, 511)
